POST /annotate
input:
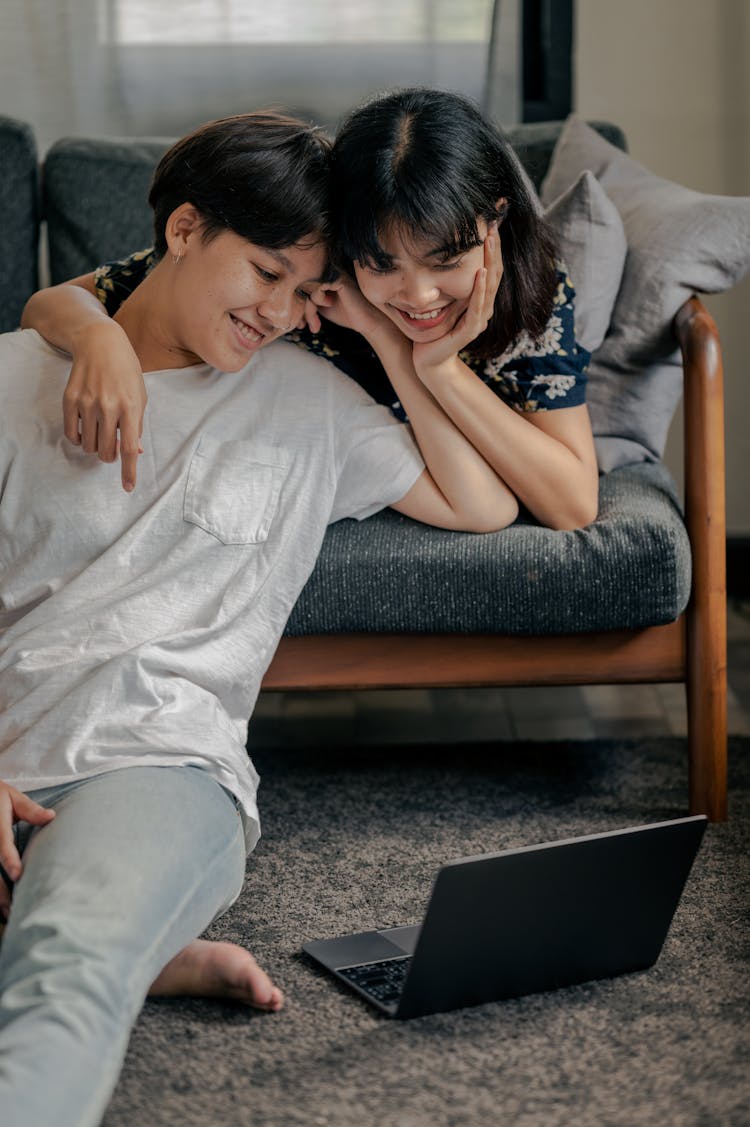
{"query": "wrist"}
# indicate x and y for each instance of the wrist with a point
(433, 372)
(387, 340)
(92, 332)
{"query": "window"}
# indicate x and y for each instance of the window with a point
(184, 61)
(132, 22)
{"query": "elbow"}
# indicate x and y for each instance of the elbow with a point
(494, 520)
(578, 514)
(28, 320)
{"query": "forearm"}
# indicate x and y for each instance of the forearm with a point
(477, 495)
(556, 482)
(63, 314)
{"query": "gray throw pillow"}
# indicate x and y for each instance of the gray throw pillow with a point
(679, 242)
(591, 241)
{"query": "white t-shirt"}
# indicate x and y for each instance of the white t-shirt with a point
(135, 628)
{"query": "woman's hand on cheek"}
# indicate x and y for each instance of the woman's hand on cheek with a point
(473, 322)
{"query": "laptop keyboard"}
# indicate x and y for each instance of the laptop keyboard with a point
(382, 981)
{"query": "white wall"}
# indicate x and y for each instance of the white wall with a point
(675, 75)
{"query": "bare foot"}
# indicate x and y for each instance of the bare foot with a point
(206, 969)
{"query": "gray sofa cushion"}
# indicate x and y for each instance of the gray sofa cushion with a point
(629, 569)
(19, 206)
(95, 201)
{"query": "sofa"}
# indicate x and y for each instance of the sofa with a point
(637, 596)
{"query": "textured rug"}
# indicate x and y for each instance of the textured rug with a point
(352, 840)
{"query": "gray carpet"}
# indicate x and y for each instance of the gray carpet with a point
(351, 840)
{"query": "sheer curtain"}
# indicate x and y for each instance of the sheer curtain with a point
(132, 67)
(52, 73)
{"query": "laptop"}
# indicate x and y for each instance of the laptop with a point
(525, 920)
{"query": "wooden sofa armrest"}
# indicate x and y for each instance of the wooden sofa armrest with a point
(698, 338)
(706, 524)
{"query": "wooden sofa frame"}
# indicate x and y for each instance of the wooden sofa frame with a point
(691, 650)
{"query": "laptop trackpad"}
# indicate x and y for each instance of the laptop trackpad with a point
(351, 950)
(404, 937)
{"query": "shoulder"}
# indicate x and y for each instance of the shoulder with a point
(304, 372)
(345, 361)
(565, 292)
(32, 378)
(557, 339)
(311, 390)
(346, 350)
(26, 346)
(546, 372)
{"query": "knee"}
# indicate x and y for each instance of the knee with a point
(79, 991)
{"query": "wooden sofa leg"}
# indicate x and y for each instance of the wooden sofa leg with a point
(707, 719)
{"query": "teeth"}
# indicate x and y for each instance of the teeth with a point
(433, 313)
(245, 330)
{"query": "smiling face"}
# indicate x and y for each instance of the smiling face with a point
(230, 297)
(421, 291)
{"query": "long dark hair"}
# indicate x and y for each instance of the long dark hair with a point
(264, 175)
(428, 160)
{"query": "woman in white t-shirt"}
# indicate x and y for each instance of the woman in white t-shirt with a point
(135, 627)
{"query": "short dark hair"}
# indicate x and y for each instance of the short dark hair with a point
(429, 161)
(263, 175)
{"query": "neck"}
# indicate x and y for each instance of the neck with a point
(148, 318)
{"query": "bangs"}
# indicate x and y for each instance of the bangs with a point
(447, 231)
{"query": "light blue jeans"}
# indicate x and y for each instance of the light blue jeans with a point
(136, 864)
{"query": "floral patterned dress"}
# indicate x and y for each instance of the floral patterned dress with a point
(531, 375)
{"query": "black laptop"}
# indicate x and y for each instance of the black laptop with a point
(536, 918)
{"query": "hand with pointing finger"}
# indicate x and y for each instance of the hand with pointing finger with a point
(105, 399)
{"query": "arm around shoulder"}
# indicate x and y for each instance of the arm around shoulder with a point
(105, 394)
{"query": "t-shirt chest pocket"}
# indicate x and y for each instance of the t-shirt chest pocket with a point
(233, 489)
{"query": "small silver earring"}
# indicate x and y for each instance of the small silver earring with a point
(176, 258)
